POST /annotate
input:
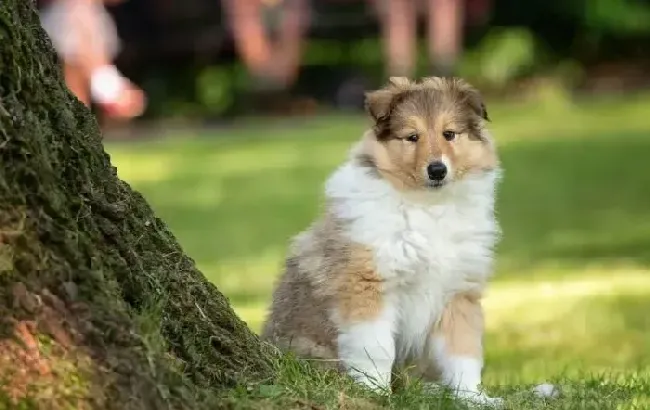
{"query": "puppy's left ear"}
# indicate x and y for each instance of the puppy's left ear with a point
(474, 99)
(483, 111)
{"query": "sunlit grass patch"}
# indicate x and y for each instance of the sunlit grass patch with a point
(594, 322)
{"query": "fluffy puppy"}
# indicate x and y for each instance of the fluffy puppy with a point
(391, 276)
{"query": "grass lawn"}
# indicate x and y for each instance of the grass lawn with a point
(571, 298)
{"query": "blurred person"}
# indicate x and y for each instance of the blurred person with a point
(275, 61)
(85, 38)
(445, 20)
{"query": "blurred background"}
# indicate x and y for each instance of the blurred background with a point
(235, 111)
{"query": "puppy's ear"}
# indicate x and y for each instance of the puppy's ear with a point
(474, 99)
(481, 110)
(378, 103)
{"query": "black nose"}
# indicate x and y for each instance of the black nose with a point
(437, 171)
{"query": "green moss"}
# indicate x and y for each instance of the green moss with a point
(23, 404)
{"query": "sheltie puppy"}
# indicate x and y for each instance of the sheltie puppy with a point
(392, 274)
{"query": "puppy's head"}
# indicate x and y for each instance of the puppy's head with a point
(428, 134)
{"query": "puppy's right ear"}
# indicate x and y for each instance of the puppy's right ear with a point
(378, 103)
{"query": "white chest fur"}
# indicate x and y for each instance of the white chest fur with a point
(428, 246)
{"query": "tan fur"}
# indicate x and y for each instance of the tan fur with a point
(358, 287)
(324, 272)
(461, 326)
(428, 108)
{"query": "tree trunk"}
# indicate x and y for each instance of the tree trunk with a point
(99, 306)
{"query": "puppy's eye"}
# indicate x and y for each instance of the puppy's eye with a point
(449, 135)
(413, 138)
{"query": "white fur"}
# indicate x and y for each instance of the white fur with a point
(367, 350)
(461, 373)
(428, 246)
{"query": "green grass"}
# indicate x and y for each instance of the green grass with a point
(571, 298)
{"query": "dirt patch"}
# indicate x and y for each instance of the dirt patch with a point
(37, 370)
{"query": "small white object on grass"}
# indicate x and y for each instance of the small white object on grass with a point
(546, 390)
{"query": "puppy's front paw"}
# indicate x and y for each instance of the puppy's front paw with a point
(480, 399)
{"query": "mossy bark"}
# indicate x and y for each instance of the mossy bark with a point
(90, 279)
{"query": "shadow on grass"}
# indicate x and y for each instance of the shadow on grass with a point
(576, 201)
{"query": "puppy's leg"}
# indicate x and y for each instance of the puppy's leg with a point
(366, 320)
(367, 349)
(457, 350)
